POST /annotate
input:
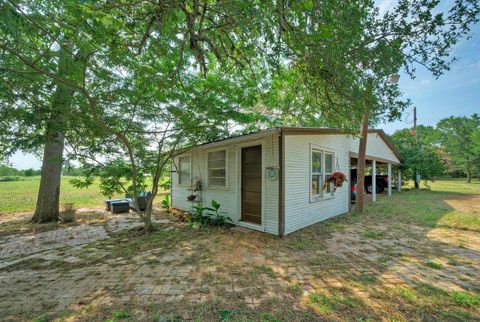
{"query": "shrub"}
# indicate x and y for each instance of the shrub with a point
(166, 202)
(210, 216)
(9, 178)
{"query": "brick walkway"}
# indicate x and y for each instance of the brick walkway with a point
(248, 268)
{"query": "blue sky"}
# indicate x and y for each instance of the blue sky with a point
(457, 92)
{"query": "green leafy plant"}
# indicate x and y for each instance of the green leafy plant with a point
(166, 202)
(210, 216)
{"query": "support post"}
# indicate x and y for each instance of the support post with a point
(399, 188)
(374, 180)
(389, 169)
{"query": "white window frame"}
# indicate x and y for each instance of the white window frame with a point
(325, 173)
(324, 195)
(210, 186)
(183, 184)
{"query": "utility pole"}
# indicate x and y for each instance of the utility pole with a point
(417, 176)
(415, 125)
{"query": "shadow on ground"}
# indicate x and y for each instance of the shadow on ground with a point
(412, 257)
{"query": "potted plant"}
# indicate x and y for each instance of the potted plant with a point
(337, 178)
(197, 185)
(68, 212)
(195, 190)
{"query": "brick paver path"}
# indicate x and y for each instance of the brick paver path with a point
(245, 267)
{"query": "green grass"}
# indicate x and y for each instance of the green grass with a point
(448, 203)
(465, 299)
(406, 294)
(21, 196)
(264, 269)
(324, 303)
(434, 265)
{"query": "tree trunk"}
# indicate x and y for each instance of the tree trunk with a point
(362, 151)
(48, 199)
(469, 177)
(49, 193)
(148, 216)
(417, 184)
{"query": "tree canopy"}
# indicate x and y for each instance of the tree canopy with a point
(128, 83)
(422, 157)
(459, 137)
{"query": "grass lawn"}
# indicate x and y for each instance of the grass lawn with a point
(443, 203)
(21, 196)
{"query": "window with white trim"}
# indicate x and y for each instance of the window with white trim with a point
(328, 171)
(217, 168)
(317, 174)
(321, 169)
(184, 168)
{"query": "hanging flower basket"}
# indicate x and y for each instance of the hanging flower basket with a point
(337, 178)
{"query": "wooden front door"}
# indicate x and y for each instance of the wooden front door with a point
(252, 184)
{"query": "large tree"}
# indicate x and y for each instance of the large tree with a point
(36, 109)
(460, 141)
(340, 55)
(423, 156)
(326, 59)
(148, 77)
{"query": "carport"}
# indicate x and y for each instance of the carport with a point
(376, 167)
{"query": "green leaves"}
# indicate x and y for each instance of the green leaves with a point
(205, 216)
(459, 137)
(424, 157)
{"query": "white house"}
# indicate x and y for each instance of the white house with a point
(273, 180)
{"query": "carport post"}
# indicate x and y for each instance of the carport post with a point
(399, 188)
(374, 180)
(389, 168)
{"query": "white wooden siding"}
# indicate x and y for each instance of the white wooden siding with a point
(299, 210)
(229, 197)
(376, 147)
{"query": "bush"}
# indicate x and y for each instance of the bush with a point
(31, 172)
(210, 216)
(9, 178)
(166, 202)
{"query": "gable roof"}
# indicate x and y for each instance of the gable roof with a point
(316, 130)
(298, 131)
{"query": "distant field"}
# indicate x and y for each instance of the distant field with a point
(459, 185)
(21, 196)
